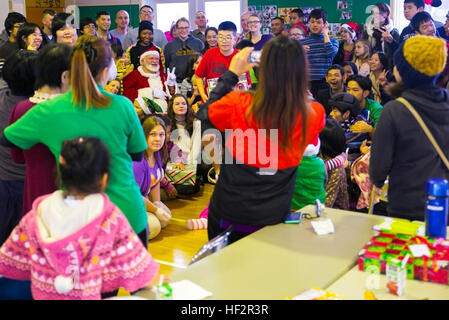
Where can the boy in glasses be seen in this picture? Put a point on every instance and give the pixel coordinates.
(216, 60)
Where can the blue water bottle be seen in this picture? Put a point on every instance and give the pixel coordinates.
(436, 207)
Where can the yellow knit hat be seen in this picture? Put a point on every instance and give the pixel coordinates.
(426, 54)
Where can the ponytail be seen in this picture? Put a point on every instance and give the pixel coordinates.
(89, 58)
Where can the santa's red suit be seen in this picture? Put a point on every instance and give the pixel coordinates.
(141, 84)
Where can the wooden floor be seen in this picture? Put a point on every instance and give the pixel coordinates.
(176, 245)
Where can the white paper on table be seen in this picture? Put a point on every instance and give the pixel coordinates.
(187, 290)
(323, 227)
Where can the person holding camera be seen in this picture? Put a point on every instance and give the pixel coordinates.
(256, 182)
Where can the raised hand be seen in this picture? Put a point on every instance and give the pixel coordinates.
(171, 77)
(383, 78)
(387, 36)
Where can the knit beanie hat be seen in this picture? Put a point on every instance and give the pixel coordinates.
(343, 102)
(145, 25)
(420, 60)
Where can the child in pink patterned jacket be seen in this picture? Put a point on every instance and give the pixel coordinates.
(76, 244)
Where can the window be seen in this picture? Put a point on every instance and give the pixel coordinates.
(399, 21)
(219, 11)
(168, 13)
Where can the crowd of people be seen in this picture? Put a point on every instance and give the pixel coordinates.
(126, 119)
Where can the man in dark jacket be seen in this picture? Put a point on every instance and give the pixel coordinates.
(401, 152)
(12, 24)
(178, 51)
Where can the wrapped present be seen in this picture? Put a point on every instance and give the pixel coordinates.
(431, 265)
(400, 226)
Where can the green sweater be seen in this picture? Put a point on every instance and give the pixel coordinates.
(374, 109)
(53, 121)
(309, 184)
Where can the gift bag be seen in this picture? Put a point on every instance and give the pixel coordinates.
(185, 181)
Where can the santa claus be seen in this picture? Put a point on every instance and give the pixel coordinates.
(149, 82)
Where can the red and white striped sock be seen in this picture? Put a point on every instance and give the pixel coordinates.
(196, 224)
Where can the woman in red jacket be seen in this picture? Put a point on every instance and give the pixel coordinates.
(265, 135)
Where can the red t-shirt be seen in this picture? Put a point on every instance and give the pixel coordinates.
(230, 112)
(213, 65)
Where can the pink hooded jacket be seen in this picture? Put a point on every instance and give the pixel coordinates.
(102, 256)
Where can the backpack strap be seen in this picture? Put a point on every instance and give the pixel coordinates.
(425, 129)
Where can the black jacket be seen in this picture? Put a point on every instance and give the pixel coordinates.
(340, 57)
(402, 151)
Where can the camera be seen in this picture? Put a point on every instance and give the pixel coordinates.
(255, 56)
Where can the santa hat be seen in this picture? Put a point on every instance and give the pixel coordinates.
(350, 29)
(313, 148)
(156, 51)
(149, 53)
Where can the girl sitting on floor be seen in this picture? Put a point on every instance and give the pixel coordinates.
(148, 173)
(186, 138)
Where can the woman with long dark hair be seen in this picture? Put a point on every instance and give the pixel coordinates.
(258, 190)
(380, 76)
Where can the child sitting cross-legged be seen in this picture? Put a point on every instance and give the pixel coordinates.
(149, 172)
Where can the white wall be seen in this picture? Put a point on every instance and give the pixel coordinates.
(4, 9)
(17, 5)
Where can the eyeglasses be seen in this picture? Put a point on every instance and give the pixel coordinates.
(182, 28)
(146, 12)
(253, 22)
(222, 38)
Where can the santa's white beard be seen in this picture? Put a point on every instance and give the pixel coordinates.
(154, 69)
